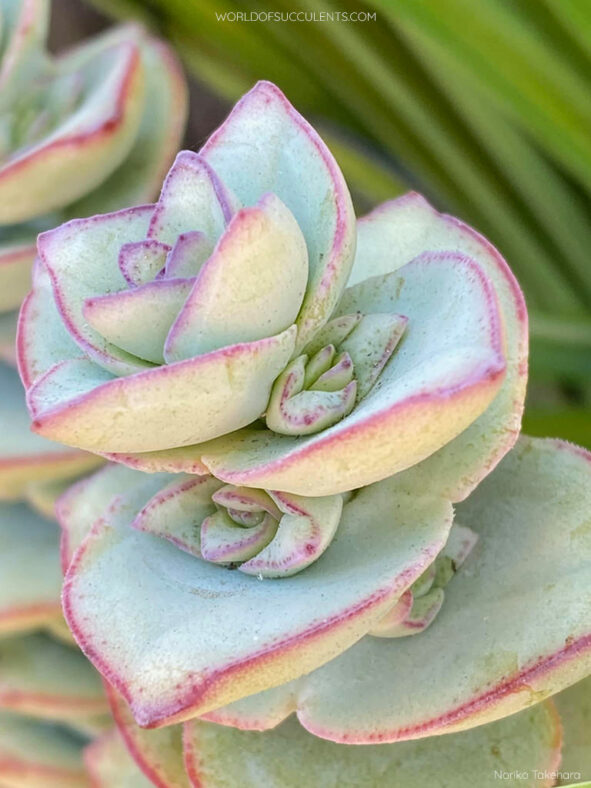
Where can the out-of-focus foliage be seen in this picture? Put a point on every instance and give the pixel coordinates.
(484, 107)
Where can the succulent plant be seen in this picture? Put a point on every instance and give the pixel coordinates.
(318, 502)
(51, 699)
(90, 130)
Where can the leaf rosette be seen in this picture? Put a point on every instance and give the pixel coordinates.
(89, 130)
(214, 332)
(310, 397)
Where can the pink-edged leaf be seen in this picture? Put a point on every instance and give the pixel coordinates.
(224, 542)
(138, 320)
(26, 458)
(265, 145)
(81, 259)
(141, 261)
(192, 198)
(178, 509)
(445, 373)
(82, 405)
(514, 627)
(139, 176)
(159, 753)
(188, 254)
(290, 756)
(42, 339)
(394, 617)
(306, 529)
(84, 502)
(370, 346)
(250, 288)
(210, 635)
(88, 143)
(186, 459)
(388, 238)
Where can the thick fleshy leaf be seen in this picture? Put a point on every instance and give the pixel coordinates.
(42, 338)
(185, 459)
(178, 509)
(266, 146)
(138, 178)
(82, 405)
(81, 259)
(306, 529)
(141, 261)
(16, 262)
(371, 345)
(87, 144)
(421, 615)
(30, 576)
(121, 317)
(250, 288)
(289, 757)
(514, 627)
(192, 198)
(574, 707)
(84, 502)
(395, 616)
(210, 635)
(25, 457)
(445, 373)
(419, 606)
(295, 410)
(44, 678)
(388, 238)
(224, 542)
(35, 754)
(293, 534)
(159, 753)
(188, 254)
(110, 765)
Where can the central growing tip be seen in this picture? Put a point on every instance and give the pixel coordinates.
(268, 534)
(321, 386)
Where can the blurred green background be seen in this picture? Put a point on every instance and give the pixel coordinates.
(482, 105)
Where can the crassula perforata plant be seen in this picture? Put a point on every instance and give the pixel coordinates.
(317, 502)
(90, 130)
(51, 699)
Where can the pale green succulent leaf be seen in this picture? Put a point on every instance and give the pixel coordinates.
(289, 756)
(26, 458)
(158, 753)
(138, 177)
(574, 707)
(514, 627)
(209, 635)
(275, 145)
(392, 235)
